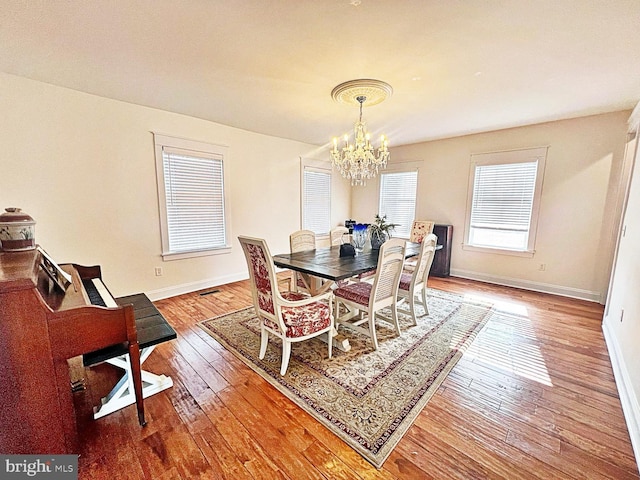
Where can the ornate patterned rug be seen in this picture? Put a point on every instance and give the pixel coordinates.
(368, 398)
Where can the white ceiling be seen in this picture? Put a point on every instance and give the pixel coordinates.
(456, 66)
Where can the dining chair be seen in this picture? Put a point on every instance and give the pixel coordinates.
(368, 298)
(419, 230)
(415, 282)
(301, 241)
(336, 235)
(290, 316)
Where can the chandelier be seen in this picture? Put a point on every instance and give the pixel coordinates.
(359, 160)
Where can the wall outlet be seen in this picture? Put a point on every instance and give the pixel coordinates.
(158, 271)
(542, 267)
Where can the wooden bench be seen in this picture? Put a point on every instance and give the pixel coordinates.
(152, 329)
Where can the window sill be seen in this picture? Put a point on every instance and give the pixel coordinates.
(196, 253)
(499, 251)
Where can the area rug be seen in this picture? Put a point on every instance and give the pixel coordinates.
(368, 398)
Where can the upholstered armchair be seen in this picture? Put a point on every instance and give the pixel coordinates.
(290, 316)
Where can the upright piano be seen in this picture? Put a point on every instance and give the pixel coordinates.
(46, 317)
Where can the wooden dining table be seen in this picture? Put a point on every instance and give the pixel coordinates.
(327, 264)
(324, 267)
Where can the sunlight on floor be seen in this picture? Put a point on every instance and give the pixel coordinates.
(509, 342)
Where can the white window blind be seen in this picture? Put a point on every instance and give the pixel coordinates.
(191, 187)
(398, 200)
(504, 200)
(316, 200)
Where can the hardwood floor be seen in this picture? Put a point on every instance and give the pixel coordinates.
(534, 397)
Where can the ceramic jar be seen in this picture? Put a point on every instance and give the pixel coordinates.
(17, 231)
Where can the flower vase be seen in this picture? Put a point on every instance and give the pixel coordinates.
(377, 240)
(359, 236)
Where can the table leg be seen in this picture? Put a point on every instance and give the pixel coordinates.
(340, 341)
(317, 285)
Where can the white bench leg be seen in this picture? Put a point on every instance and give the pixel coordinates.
(122, 395)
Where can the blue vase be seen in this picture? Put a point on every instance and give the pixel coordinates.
(359, 236)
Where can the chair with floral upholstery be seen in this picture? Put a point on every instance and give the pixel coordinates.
(290, 316)
(420, 229)
(368, 298)
(415, 282)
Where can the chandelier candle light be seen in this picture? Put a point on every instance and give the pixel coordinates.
(359, 161)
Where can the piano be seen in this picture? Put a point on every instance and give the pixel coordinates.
(50, 313)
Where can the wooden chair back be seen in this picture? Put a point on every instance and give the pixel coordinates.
(425, 259)
(387, 278)
(302, 240)
(336, 235)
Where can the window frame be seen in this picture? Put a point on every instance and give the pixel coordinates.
(524, 155)
(206, 150)
(316, 166)
(411, 167)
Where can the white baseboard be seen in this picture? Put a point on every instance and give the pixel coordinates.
(194, 286)
(529, 285)
(628, 399)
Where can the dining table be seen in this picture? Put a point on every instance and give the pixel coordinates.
(328, 265)
(323, 268)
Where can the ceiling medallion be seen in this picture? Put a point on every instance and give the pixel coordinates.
(359, 161)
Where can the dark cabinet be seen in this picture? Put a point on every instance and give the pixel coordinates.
(442, 260)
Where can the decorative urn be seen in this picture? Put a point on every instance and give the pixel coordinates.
(17, 231)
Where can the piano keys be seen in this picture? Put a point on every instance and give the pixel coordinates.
(42, 324)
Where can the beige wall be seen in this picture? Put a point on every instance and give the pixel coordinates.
(83, 167)
(578, 219)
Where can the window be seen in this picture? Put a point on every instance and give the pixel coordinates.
(316, 198)
(504, 197)
(191, 190)
(398, 200)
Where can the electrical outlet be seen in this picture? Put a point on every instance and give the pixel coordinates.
(158, 271)
(542, 267)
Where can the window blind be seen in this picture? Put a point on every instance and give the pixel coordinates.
(194, 191)
(398, 200)
(502, 204)
(316, 207)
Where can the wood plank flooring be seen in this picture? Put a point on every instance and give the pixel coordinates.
(533, 397)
